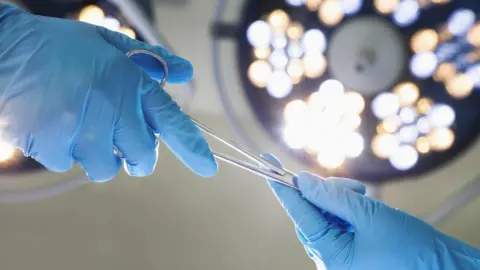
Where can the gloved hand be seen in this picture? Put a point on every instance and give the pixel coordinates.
(69, 93)
(380, 237)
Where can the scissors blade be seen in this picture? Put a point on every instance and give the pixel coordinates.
(271, 175)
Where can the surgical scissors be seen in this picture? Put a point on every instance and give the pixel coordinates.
(262, 167)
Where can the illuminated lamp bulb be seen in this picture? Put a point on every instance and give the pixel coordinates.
(386, 6)
(295, 135)
(424, 64)
(422, 145)
(350, 122)
(259, 73)
(352, 145)
(385, 105)
(127, 31)
(351, 7)
(295, 111)
(330, 12)
(460, 86)
(390, 125)
(279, 41)
(354, 103)
(295, 3)
(441, 139)
(262, 53)
(314, 65)
(295, 70)
(473, 35)
(384, 145)
(331, 90)
(6, 151)
(408, 134)
(440, 2)
(111, 24)
(294, 50)
(331, 158)
(278, 59)
(461, 21)
(445, 72)
(425, 40)
(423, 125)
(279, 84)
(278, 20)
(408, 115)
(259, 34)
(404, 158)
(407, 93)
(424, 105)
(441, 116)
(313, 5)
(92, 14)
(314, 41)
(295, 31)
(406, 12)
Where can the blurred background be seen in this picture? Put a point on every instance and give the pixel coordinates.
(384, 91)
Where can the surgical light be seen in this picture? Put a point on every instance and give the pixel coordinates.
(406, 13)
(314, 64)
(314, 41)
(460, 86)
(259, 34)
(407, 93)
(386, 6)
(424, 64)
(6, 151)
(278, 20)
(279, 84)
(473, 35)
(461, 21)
(351, 7)
(330, 12)
(92, 14)
(441, 139)
(425, 40)
(404, 158)
(259, 73)
(385, 105)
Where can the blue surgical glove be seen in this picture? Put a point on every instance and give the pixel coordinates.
(380, 237)
(68, 93)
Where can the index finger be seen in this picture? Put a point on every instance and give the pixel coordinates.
(176, 129)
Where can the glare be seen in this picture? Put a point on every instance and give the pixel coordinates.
(424, 105)
(473, 73)
(278, 59)
(314, 64)
(445, 71)
(473, 35)
(279, 41)
(350, 122)
(295, 136)
(295, 69)
(331, 90)
(111, 24)
(6, 151)
(404, 158)
(385, 105)
(384, 145)
(295, 3)
(423, 65)
(279, 85)
(294, 50)
(279, 20)
(259, 34)
(461, 21)
(351, 6)
(353, 145)
(261, 53)
(259, 73)
(391, 124)
(441, 139)
(295, 111)
(128, 32)
(423, 125)
(424, 41)
(408, 115)
(386, 6)
(354, 103)
(331, 158)
(441, 2)
(407, 93)
(330, 12)
(441, 115)
(295, 31)
(408, 134)
(92, 14)
(314, 41)
(422, 145)
(406, 12)
(460, 86)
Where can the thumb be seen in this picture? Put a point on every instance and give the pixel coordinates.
(333, 197)
(179, 69)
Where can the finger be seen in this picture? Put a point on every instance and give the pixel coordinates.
(133, 137)
(308, 220)
(336, 199)
(176, 129)
(353, 185)
(179, 69)
(93, 145)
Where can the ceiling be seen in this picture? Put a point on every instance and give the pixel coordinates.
(176, 220)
